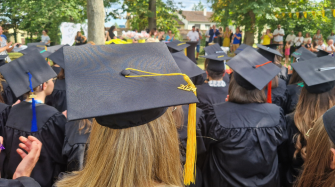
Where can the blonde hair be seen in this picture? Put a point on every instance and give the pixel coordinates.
(317, 171)
(140, 156)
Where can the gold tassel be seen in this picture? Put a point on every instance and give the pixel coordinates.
(185, 51)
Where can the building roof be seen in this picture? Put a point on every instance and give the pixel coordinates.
(197, 16)
(179, 21)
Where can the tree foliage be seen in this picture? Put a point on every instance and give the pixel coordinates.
(198, 7)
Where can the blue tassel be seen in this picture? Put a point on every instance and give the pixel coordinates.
(33, 105)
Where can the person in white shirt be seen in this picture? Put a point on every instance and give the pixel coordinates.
(332, 36)
(321, 45)
(290, 38)
(307, 37)
(298, 41)
(207, 36)
(330, 48)
(193, 35)
(278, 35)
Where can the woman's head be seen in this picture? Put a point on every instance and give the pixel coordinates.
(268, 31)
(43, 90)
(78, 33)
(170, 32)
(295, 78)
(111, 29)
(237, 30)
(299, 34)
(309, 108)
(45, 32)
(227, 29)
(318, 32)
(307, 35)
(319, 164)
(220, 29)
(238, 94)
(152, 32)
(138, 156)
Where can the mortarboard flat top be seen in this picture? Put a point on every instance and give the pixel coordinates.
(269, 51)
(241, 48)
(53, 49)
(213, 49)
(217, 56)
(254, 68)
(37, 44)
(16, 75)
(186, 65)
(98, 73)
(303, 54)
(177, 45)
(318, 73)
(58, 57)
(329, 123)
(31, 49)
(321, 53)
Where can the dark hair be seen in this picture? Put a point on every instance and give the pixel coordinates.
(152, 32)
(147, 30)
(111, 29)
(238, 94)
(215, 75)
(193, 27)
(61, 74)
(295, 78)
(275, 82)
(46, 31)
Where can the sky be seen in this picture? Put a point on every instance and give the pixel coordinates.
(188, 4)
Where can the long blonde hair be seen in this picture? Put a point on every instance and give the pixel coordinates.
(309, 108)
(141, 156)
(317, 171)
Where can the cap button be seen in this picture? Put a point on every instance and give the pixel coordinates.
(125, 72)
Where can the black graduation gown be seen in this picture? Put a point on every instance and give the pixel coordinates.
(199, 79)
(8, 94)
(208, 96)
(75, 146)
(290, 166)
(279, 94)
(293, 93)
(51, 128)
(57, 98)
(183, 141)
(19, 182)
(244, 149)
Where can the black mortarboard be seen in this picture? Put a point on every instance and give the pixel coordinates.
(216, 61)
(303, 54)
(269, 51)
(241, 48)
(318, 74)
(15, 72)
(177, 45)
(2, 57)
(329, 123)
(125, 86)
(37, 44)
(32, 49)
(58, 57)
(186, 65)
(53, 49)
(56, 69)
(213, 49)
(252, 70)
(321, 53)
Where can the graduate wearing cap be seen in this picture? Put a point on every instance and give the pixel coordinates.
(319, 166)
(134, 135)
(216, 89)
(243, 134)
(177, 46)
(30, 75)
(316, 97)
(279, 92)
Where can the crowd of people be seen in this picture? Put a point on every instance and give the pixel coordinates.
(146, 115)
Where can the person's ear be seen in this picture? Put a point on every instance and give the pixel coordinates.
(44, 86)
(332, 162)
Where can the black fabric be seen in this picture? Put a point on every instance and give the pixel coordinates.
(191, 51)
(111, 35)
(218, 56)
(199, 79)
(279, 94)
(242, 145)
(213, 49)
(320, 88)
(58, 57)
(217, 66)
(7, 94)
(130, 119)
(183, 142)
(75, 145)
(57, 98)
(271, 49)
(208, 96)
(290, 166)
(105, 91)
(242, 82)
(2, 62)
(31, 49)
(19, 182)
(241, 48)
(56, 69)
(293, 93)
(16, 75)
(328, 121)
(253, 67)
(321, 53)
(186, 65)
(51, 129)
(303, 54)
(177, 45)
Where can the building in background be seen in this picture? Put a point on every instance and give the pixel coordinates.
(199, 19)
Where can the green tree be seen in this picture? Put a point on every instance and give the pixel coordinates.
(198, 7)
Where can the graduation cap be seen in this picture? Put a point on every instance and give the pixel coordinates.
(186, 65)
(125, 86)
(53, 49)
(56, 69)
(329, 123)
(58, 57)
(318, 74)
(177, 45)
(216, 61)
(241, 48)
(26, 73)
(213, 49)
(269, 51)
(321, 53)
(37, 44)
(252, 70)
(31, 49)
(303, 54)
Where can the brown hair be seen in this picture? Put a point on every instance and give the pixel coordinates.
(206, 64)
(275, 82)
(317, 171)
(140, 156)
(85, 124)
(238, 94)
(2, 79)
(309, 108)
(178, 115)
(61, 74)
(295, 78)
